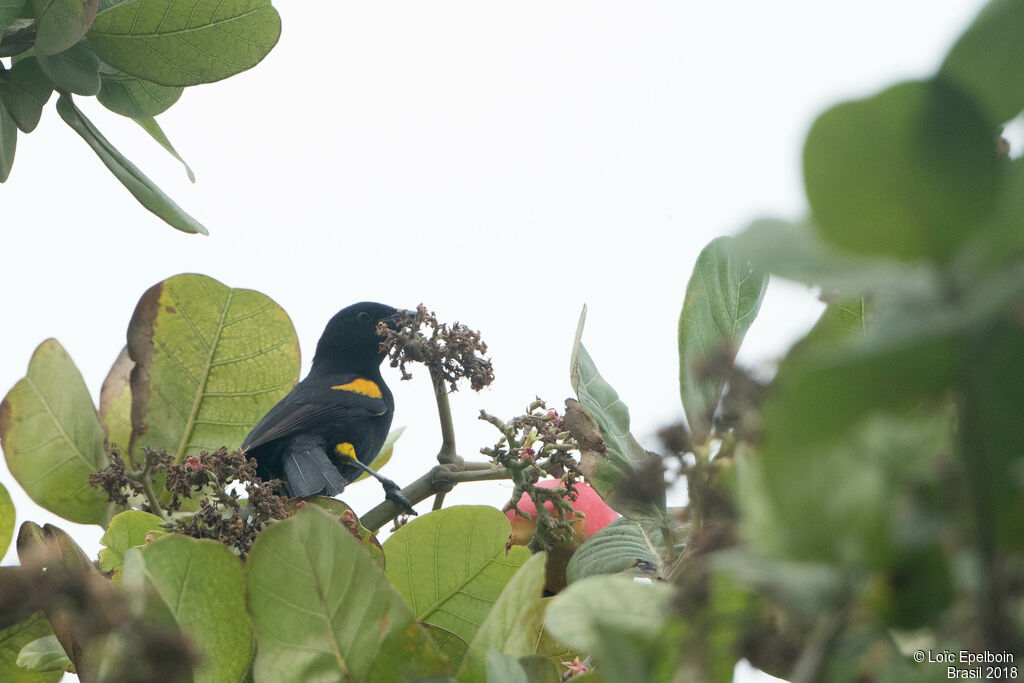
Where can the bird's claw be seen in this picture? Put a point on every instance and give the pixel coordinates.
(394, 494)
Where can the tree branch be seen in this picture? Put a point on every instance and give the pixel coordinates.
(440, 479)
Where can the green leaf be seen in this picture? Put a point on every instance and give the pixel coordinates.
(9, 11)
(512, 623)
(210, 362)
(334, 621)
(13, 639)
(909, 173)
(795, 251)
(625, 475)
(107, 5)
(141, 187)
(7, 518)
(156, 132)
(8, 143)
(181, 43)
(62, 23)
(203, 584)
(622, 546)
(135, 98)
(44, 654)
(820, 395)
(336, 509)
(116, 403)
(127, 530)
(575, 614)
(52, 437)
(451, 565)
(76, 70)
(986, 59)
(448, 644)
(722, 300)
(24, 93)
(386, 451)
(502, 668)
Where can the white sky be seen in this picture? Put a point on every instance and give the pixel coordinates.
(503, 164)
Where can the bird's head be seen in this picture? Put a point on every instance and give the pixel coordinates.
(350, 340)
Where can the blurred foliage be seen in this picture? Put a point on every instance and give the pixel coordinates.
(862, 507)
(135, 56)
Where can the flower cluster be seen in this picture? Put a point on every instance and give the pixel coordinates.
(532, 446)
(451, 351)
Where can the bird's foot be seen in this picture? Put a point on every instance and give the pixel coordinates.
(393, 492)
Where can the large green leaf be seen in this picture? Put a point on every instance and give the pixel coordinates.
(13, 639)
(52, 437)
(203, 584)
(511, 626)
(62, 23)
(136, 98)
(24, 93)
(909, 173)
(625, 475)
(321, 608)
(8, 143)
(116, 402)
(451, 565)
(9, 11)
(186, 42)
(722, 300)
(622, 546)
(127, 530)
(576, 613)
(986, 60)
(7, 518)
(76, 70)
(210, 361)
(141, 187)
(821, 394)
(796, 251)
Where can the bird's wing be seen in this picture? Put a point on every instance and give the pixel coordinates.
(288, 418)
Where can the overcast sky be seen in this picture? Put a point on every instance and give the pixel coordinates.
(504, 165)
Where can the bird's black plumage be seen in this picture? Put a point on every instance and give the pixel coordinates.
(332, 424)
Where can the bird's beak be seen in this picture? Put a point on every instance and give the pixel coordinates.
(393, 318)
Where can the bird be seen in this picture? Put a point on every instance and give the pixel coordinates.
(330, 427)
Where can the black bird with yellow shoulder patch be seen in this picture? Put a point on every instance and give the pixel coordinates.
(323, 434)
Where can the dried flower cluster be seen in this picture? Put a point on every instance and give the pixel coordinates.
(222, 514)
(452, 352)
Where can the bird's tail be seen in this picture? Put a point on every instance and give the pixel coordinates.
(307, 469)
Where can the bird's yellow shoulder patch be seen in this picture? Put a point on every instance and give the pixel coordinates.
(361, 386)
(346, 450)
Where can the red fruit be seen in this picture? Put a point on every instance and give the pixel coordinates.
(598, 515)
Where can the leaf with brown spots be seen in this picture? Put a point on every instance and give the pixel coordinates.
(210, 361)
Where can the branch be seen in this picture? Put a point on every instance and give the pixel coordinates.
(446, 455)
(440, 479)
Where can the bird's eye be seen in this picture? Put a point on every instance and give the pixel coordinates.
(363, 317)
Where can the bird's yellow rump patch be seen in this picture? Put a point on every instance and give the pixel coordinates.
(345, 450)
(361, 386)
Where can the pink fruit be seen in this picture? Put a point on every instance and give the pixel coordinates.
(597, 512)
